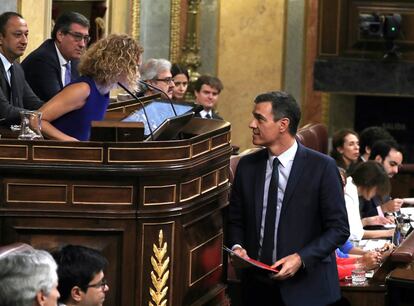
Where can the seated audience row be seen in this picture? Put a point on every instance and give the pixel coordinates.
(74, 275)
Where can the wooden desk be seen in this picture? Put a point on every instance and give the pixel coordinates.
(128, 200)
(396, 272)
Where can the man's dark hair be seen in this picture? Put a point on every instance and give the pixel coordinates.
(4, 18)
(210, 81)
(77, 266)
(65, 20)
(383, 148)
(284, 105)
(370, 135)
(371, 174)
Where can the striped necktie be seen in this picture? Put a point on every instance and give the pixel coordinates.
(67, 73)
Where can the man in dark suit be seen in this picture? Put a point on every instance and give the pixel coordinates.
(207, 90)
(54, 64)
(15, 94)
(287, 210)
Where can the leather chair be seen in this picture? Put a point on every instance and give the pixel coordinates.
(314, 136)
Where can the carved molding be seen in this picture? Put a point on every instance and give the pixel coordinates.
(191, 50)
(135, 19)
(175, 31)
(160, 273)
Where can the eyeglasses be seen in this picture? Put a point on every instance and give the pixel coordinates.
(79, 37)
(165, 80)
(102, 284)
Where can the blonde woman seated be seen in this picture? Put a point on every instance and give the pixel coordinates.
(68, 115)
(367, 180)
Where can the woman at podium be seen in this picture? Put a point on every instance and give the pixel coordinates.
(68, 115)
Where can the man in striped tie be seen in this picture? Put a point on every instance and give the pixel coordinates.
(54, 64)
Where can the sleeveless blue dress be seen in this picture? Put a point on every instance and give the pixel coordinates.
(77, 123)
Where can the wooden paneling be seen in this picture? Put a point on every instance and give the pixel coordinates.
(118, 198)
(94, 194)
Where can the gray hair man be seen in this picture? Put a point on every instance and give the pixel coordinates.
(157, 72)
(28, 278)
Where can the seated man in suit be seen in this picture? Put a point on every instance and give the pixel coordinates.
(81, 276)
(15, 94)
(157, 73)
(207, 90)
(54, 64)
(28, 277)
(368, 137)
(389, 155)
(287, 210)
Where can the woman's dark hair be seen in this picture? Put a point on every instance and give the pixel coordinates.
(179, 69)
(338, 140)
(371, 174)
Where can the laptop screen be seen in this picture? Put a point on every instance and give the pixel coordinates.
(157, 111)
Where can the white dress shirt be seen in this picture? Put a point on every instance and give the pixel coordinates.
(285, 166)
(204, 113)
(62, 63)
(6, 65)
(352, 208)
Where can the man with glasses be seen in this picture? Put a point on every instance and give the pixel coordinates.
(54, 64)
(157, 72)
(81, 276)
(15, 94)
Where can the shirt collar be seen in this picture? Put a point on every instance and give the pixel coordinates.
(62, 60)
(286, 156)
(203, 113)
(6, 62)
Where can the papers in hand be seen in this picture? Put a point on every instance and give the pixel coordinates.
(241, 262)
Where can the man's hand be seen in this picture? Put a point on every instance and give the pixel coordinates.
(370, 260)
(241, 252)
(392, 205)
(289, 266)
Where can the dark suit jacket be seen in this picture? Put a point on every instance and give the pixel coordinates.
(313, 221)
(43, 72)
(25, 99)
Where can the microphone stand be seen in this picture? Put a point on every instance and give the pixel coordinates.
(143, 108)
(161, 91)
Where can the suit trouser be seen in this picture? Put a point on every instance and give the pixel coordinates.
(258, 289)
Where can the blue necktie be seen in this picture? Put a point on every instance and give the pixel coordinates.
(270, 218)
(207, 116)
(67, 73)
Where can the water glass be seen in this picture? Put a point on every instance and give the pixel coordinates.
(358, 277)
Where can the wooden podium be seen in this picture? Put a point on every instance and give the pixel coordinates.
(155, 209)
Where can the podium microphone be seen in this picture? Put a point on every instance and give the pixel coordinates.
(143, 108)
(161, 91)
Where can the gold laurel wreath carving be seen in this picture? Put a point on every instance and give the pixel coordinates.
(160, 272)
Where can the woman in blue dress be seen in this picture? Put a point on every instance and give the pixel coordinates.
(68, 115)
